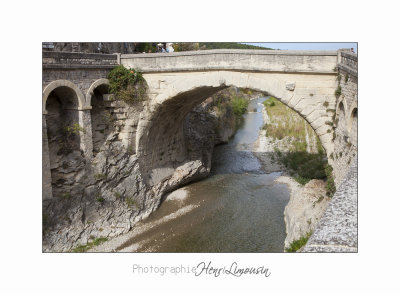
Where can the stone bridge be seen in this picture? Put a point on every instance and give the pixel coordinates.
(303, 80)
(151, 133)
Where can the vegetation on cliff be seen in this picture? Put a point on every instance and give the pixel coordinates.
(298, 244)
(127, 84)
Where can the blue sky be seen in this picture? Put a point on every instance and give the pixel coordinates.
(308, 46)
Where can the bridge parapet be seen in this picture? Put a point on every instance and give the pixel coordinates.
(348, 62)
(73, 60)
(315, 62)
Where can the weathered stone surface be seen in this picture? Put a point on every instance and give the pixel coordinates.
(337, 230)
(290, 86)
(305, 208)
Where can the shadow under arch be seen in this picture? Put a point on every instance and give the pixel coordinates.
(160, 138)
(59, 86)
(62, 102)
(101, 113)
(98, 83)
(352, 124)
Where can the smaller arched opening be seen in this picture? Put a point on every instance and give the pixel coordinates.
(64, 136)
(341, 121)
(102, 114)
(353, 125)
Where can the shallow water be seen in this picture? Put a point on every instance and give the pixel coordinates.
(237, 209)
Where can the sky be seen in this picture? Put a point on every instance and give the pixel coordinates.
(308, 45)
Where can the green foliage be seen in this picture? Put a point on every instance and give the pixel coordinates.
(338, 91)
(326, 104)
(271, 102)
(100, 176)
(301, 180)
(68, 137)
(330, 183)
(145, 47)
(66, 195)
(100, 199)
(339, 78)
(84, 248)
(297, 244)
(186, 46)
(127, 85)
(333, 136)
(318, 201)
(320, 148)
(131, 202)
(239, 106)
(304, 166)
(346, 78)
(117, 195)
(74, 129)
(228, 45)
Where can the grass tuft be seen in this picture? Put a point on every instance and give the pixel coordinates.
(297, 244)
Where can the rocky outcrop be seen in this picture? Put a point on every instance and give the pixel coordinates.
(305, 208)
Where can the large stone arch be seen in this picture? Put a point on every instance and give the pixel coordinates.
(173, 95)
(62, 83)
(90, 92)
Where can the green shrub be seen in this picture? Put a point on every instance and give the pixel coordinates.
(66, 195)
(304, 166)
(100, 176)
(127, 84)
(84, 248)
(74, 129)
(297, 244)
(100, 199)
(131, 202)
(346, 78)
(239, 106)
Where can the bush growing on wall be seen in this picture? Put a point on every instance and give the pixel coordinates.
(127, 84)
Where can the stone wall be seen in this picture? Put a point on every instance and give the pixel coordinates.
(337, 230)
(81, 69)
(91, 47)
(345, 139)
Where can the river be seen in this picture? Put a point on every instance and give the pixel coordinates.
(238, 208)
